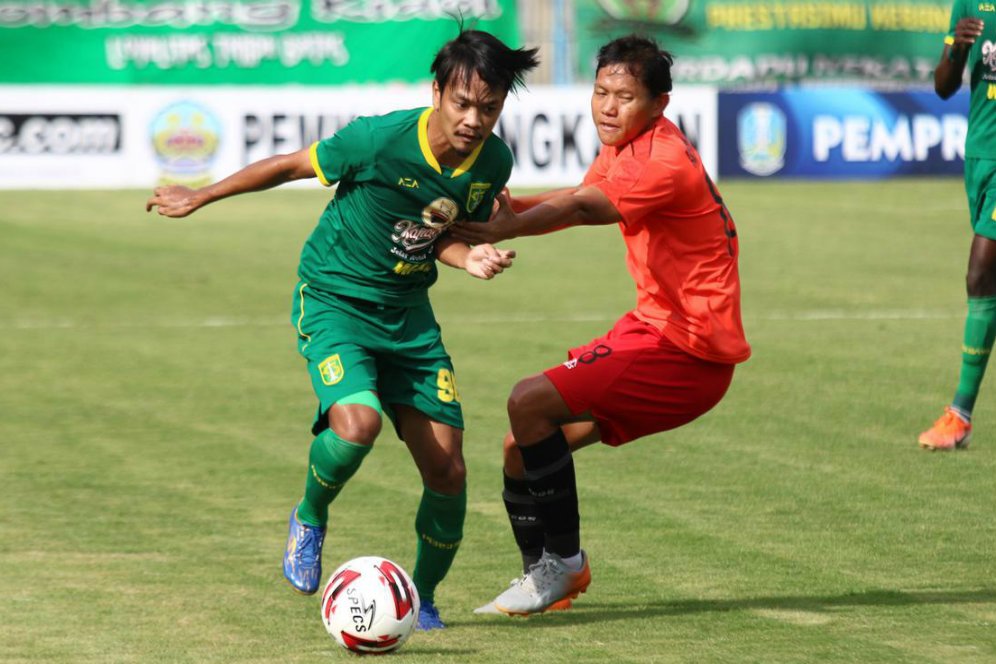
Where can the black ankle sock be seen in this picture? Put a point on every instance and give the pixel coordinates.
(552, 485)
(527, 523)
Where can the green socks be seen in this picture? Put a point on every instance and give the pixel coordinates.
(439, 525)
(980, 330)
(331, 463)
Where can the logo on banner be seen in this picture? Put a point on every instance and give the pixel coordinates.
(668, 12)
(761, 136)
(60, 133)
(185, 137)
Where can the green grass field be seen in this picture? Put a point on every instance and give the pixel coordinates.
(154, 429)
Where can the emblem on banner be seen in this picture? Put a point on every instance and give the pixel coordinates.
(761, 138)
(185, 137)
(668, 12)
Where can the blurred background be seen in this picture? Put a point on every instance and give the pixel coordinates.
(131, 93)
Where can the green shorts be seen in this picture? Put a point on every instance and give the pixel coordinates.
(352, 345)
(980, 185)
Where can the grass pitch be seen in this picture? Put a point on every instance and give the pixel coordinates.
(154, 429)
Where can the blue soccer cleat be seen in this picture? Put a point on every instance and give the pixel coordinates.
(303, 557)
(428, 618)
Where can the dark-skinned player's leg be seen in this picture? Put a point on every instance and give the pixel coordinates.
(523, 514)
(953, 429)
(542, 458)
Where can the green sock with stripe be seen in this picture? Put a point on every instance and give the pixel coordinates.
(980, 331)
(331, 463)
(439, 525)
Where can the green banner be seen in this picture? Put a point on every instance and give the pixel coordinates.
(210, 42)
(735, 42)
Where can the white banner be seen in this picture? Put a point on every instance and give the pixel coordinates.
(84, 137)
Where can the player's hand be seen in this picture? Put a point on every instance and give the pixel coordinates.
(967, 30)
(485, 260)
(173, 201)
(501, 225)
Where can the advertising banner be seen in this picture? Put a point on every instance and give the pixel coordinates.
(841, 133)
(252, 42)
(68, 137)
(737, 42)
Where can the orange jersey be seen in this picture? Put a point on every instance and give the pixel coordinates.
(680, 239)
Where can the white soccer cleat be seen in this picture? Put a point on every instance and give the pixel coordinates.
(549, 582)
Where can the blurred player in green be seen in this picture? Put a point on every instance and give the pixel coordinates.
(361, 307)
(969, 42)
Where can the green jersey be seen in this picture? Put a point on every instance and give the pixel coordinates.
(981, 139)
(376, 239)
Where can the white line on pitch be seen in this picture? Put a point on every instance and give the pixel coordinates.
(512, 318)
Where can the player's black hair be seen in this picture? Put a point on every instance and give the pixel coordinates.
(476, 52)
(643, 58)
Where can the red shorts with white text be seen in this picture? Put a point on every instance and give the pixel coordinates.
(634, 382)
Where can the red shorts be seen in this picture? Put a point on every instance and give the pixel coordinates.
(634, 381)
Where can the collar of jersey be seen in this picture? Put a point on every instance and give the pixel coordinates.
(423, 142)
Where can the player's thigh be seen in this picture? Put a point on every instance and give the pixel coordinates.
(417, 372)
(337, 371)
(336, 343)
(636, 390)
(436, 448)
(980, 186)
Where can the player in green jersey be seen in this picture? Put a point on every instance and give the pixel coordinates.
(361, 307)
(970, 41)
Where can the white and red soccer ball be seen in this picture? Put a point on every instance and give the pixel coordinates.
(370, 605)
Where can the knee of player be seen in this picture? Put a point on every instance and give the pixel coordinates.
(448, 478)
(355, 423)
(980, 282)
(524, 399)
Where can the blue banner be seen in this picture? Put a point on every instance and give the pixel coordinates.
(841, 133)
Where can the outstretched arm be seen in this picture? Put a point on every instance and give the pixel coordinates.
(586, 206)
(951, 68)
(179, 201)
(523, 203)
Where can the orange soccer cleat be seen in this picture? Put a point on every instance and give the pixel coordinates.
(949, 432)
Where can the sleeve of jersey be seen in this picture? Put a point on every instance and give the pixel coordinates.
(635, 189)
(343, 154)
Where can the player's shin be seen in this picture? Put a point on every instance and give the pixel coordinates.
(980, 331)
(439, 526)
(550, 477)
(331, 462)
(525, 519)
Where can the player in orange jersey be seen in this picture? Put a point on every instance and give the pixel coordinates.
(663, 364)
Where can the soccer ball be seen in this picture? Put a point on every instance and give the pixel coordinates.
(370, 605)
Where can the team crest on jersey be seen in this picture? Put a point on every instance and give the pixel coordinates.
(440, 213)
(476, 194)
(331, 369)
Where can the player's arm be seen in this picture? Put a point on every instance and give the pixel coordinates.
(483, 261)
(179, 201)
(586, 206)
(951, 69)
(523, 203)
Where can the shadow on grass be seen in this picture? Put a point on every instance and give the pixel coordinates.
(592, 612)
